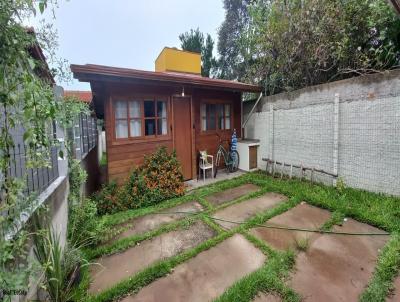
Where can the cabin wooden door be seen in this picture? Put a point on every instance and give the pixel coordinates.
(182, 133)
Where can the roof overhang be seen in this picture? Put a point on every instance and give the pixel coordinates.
(99, 73)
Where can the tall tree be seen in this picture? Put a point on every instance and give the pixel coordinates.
(298, 43)
(194, 41)
(232, 60)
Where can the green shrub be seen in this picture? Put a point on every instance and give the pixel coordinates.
(84, 227)
(77, 177)
(157, 179)
(107, 199)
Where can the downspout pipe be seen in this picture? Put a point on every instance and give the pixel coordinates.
(251, 112)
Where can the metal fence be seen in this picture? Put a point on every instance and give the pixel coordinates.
(84, 137)
(37, 179)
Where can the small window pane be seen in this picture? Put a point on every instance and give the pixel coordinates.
(121, 128)
(121, 110)
(203, 117)
(211, 118)
(149, 109)
(134, 109)
(221, 118)
(161, 109)
(227, 117)
(136, 128)
(227, 110)
(150, 127)
(227, 123)
(162, 126)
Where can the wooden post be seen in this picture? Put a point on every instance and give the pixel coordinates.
(271, 132)
(282, 167)
(335, 136)
(301, 172)
(291, 171)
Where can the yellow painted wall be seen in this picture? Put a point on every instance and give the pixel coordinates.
(171, 59)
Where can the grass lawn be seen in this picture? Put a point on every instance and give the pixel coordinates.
(375, 209)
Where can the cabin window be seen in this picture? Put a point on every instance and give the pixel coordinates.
(135, 118)
(215, 117)
(121, 121)
(140, 118)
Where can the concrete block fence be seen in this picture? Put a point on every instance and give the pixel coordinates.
(350, 128)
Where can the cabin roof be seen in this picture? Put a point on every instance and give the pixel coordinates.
(91, 72)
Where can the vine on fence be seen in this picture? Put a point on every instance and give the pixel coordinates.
(27, 102)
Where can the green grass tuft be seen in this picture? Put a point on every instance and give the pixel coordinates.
(385, 272)
(376, 209)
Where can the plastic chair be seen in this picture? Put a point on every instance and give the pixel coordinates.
(205, 165)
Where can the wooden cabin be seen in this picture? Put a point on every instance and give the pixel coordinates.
(173, 106)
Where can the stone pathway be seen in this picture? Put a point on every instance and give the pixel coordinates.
(248, 208)
(338, 267)
(395, 297)
(151, 222)
(206, 276)
(114, 268)
(301, 216)
(328, 267)
(219, 198)
(267, 298)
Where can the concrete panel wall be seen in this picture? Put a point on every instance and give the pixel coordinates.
(358, 137)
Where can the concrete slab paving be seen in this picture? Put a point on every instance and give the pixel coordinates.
(206, 276)
(151, 222)
(337, 267)
(395, 296)
(301, 216)
(248, 208)
(262, 297)
(114, 268)
(219, 198)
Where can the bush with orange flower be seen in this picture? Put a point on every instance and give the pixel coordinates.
(157, 179)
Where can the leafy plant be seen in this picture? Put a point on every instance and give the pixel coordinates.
(157, 179)
(27, 104)
(77, 177)
(108, 199)
(60, 265)
(83, 225)
(287, 45)
(14, 270)
(302, 244)
(340, 185)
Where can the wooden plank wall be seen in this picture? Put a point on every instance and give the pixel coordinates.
(123, 157)
(209, 141)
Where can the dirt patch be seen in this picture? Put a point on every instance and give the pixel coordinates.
(219, 198)
(338, 267)
(206, 276)
(115, 268)
(267, 298)
(248, 208)
(301, 216)
(395, 296)
(151, 222)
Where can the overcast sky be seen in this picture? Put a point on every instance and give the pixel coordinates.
(128, 33)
